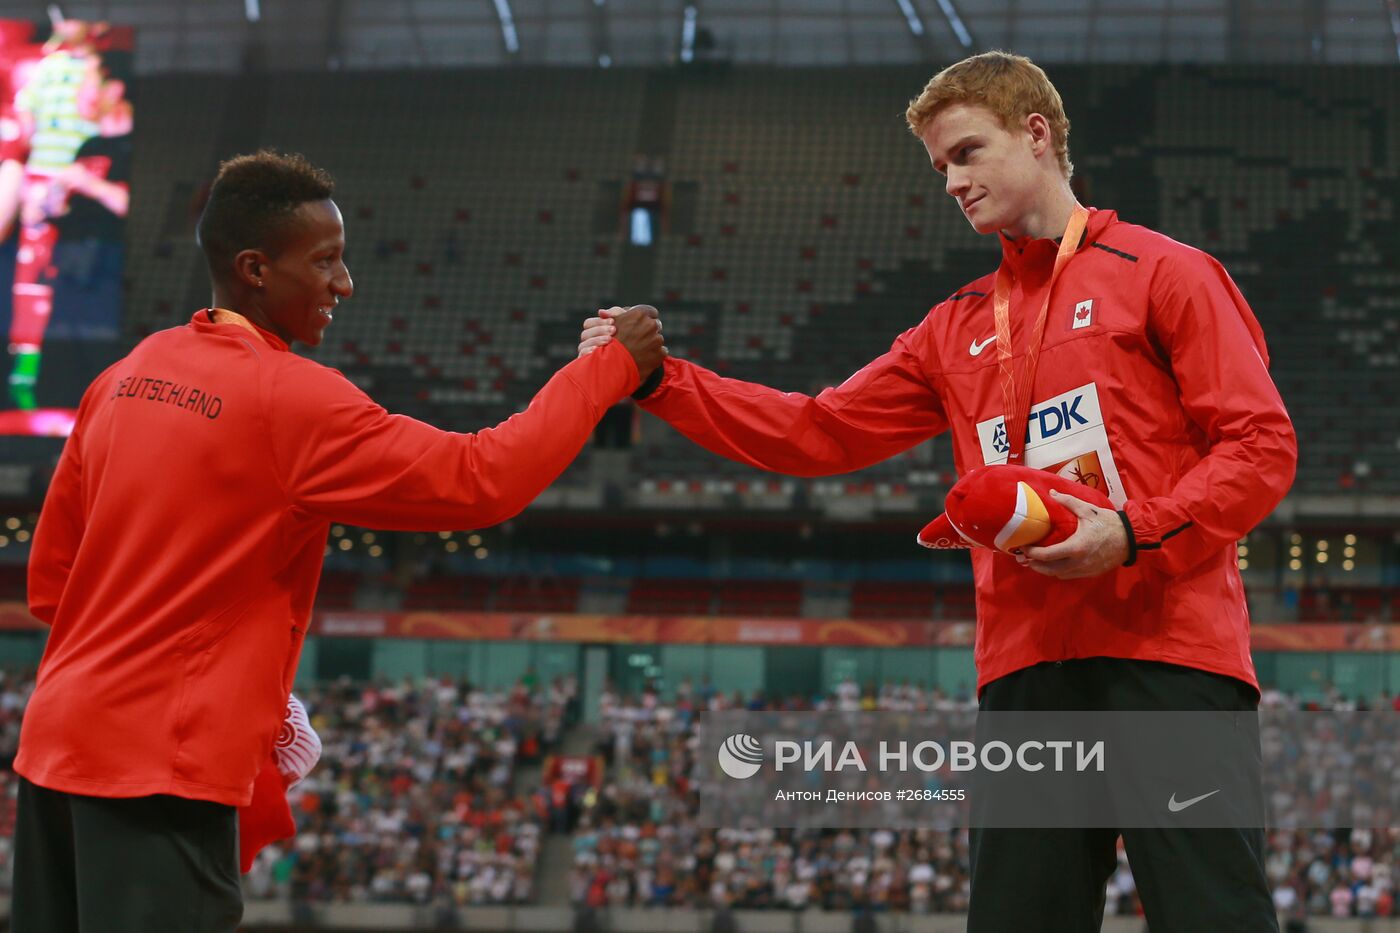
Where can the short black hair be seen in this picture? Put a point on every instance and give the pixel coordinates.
(250, 202)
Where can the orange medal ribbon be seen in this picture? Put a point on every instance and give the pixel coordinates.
(1016, 393)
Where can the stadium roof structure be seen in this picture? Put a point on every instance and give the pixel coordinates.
(232, 35)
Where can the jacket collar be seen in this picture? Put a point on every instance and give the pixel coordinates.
(204, 320)
(1029, 255)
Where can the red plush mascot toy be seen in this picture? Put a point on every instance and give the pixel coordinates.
(1007, 508)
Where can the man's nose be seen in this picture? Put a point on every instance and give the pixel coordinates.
(957, 182)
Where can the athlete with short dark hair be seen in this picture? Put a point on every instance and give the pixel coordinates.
(180, 545)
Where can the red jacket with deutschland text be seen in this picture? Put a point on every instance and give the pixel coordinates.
(181, 542)
(1153, 385)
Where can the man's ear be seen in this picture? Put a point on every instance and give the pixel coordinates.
(249, 267)
(1039, 129)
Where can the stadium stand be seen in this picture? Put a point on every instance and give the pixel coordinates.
(177, 146)
(806, 228)
(472, 245)
(418, 800)
(652, 596)
(878, 599)
(12, 582)
(670, 597)
(1351, 604)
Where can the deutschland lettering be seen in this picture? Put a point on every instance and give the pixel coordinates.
(165, 392)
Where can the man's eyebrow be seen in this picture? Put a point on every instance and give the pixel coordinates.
(954, 148)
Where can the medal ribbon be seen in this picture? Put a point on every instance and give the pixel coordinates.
(1016, 393)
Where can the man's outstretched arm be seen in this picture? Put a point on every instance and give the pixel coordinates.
(343, 457)
(885, 408)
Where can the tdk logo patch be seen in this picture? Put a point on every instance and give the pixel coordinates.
(1056, 418)
(1051, 420)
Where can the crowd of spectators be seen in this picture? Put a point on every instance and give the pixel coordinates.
(15, 688)
(416, 800)
(637, 843)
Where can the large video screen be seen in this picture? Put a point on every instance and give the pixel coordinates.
(65, 162)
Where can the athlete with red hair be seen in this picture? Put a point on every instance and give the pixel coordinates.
(1107, 353)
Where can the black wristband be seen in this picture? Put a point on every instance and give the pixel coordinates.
(651, 383)
(1132, 539)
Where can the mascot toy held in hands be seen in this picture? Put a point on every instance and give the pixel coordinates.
(1007, 508)
(268, 817)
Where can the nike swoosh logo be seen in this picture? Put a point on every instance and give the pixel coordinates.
(1175, 807)
(977, 348)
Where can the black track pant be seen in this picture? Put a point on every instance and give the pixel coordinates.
(1053, 880)
(124, 865)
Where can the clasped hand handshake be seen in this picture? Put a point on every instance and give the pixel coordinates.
(1099, 543)
(637, 328)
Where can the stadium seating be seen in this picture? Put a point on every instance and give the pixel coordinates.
(874, 599)
(806, 227)
(178, 129)
(805, 230)
(957, 602)
(536, 594)
(1346, 604)
(860, 599)
(670, 597)
(13, 582)
(651, 596)
(337, 590)
(760, 598)
(469, 245)
(470, 594)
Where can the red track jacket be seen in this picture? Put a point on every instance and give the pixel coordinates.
(181, 543)
(1153, 385)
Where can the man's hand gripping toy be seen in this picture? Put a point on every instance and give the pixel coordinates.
(1007, 508)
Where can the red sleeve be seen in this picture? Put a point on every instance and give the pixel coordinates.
(887, 407)
(62, 520)
(342, 456)
(58, 534)
(1220, 363)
